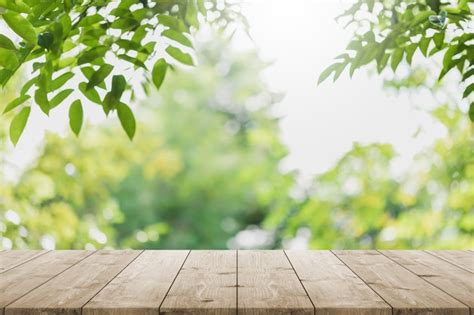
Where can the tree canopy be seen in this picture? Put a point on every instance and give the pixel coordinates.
(76, 45)
(388, 33)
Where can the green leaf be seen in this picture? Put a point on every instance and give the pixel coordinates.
(129, 45)
(92, 95)
(5, 75)
(339, 70)
(8, 58)
(397, 57)
(41, 99)
(448, 57)
(410, 51)
(327, 72)
(61, 80)
(6, 43)
(133, 60)
(438, 39)
(421, 17)
(468, 90)
(26, 87)
(172, 22)
(127, 119)
(17, 6)
(16, 102)
(18, 124)
(118, 86)
(89, 72)
(382, 62)
(90, 20)
(178, 37)
(21, 26)
(180, 56)
(124, 24)
(468, 74)
(66, 24)
(61, 96)
(424, 44)
(109, 103)
(92, 54)
(159, 72)
(99, 76)
(370, 5)
(76, 116)
(191, 13)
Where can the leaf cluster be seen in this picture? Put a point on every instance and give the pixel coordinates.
(76, 45)
(390, 32)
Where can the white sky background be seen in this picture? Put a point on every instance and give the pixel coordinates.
(319, 123)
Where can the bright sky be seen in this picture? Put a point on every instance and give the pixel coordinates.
(319, 124)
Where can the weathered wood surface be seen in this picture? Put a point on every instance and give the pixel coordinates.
(206, 284)
(10, 259)
(461, 258)
(333, 287)
(268, 285)
(443, 275)
(237, 282)
(406, 292)
(17, 282)
(151, 274)
(68, 292)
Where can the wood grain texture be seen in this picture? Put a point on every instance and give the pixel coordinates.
(460, 258)
(69, 291)
(231, 282)
(141, 287)
(455, 281)
(11, 258)
(206, 284)
(333, 288)
(403, 290)
(269, 285)
(19, 281)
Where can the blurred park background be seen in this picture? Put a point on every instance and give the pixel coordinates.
(246, 151)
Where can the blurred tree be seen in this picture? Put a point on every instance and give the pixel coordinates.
(360, 203)
(204, 166)
(388, 32)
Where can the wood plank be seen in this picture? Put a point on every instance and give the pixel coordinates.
(141, 287)
(207, 284)
(69, 291)
(19, 281)
(403, 290)
(460, 258)
(332, 287)
(11, 258)
(455, 281)
(268, 285)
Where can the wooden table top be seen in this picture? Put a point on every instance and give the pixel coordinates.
(231, 282)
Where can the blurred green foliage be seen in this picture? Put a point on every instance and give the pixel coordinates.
(359, 203)
(205, 165)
